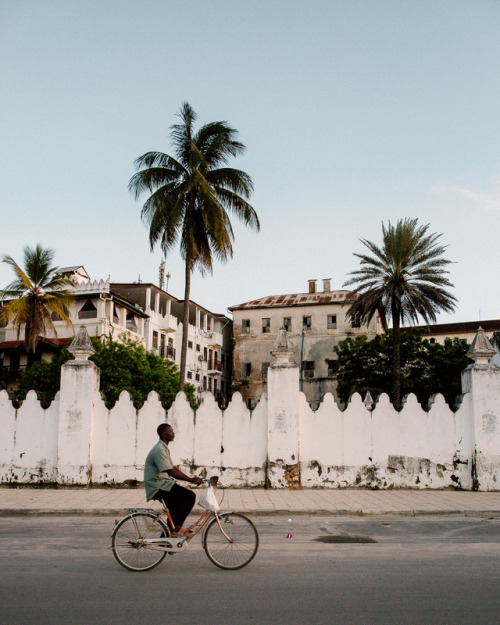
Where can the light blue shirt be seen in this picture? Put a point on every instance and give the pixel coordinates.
(156, 466)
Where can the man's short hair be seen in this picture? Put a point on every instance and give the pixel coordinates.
(162, 427)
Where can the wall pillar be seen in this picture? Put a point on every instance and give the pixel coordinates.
(283, 417)
(481, 382)
(78, 395)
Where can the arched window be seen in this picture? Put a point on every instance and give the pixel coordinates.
(88, 310)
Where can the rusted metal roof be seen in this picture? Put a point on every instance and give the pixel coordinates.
(295, 299)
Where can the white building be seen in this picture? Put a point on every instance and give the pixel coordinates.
(439, 332)
(315, 322)
(143, 313)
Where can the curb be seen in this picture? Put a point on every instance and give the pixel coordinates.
(107, 512)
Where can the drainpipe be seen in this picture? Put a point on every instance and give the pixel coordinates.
(301, 358)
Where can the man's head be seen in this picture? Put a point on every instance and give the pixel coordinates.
(166, 432)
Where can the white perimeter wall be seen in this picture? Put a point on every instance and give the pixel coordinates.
(282, 443)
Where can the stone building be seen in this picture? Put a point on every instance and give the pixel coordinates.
(143, 313)
(315, 322)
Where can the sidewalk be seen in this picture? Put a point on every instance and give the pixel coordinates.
(256, 501)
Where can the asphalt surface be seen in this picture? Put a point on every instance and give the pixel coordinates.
(355, 570)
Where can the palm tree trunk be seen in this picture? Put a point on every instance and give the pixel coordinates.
(185, 322)
(31, 330)
(396, 357)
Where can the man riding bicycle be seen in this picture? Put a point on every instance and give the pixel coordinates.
(159, 481)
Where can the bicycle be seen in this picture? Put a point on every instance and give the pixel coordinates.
(142, 538)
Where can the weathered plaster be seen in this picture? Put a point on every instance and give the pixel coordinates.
(282, 443)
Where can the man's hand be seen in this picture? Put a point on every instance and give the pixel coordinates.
(197, 480)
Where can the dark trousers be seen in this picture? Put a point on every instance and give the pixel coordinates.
(179, 501)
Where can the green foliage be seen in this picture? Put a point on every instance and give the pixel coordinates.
(123, 367)
(426, 368)
(44, 377)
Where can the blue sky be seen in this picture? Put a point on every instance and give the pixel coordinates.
(353, 113)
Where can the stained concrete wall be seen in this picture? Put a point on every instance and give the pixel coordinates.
(282, 443)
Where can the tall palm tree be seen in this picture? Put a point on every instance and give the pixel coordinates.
(37, 292)
(403, 279)
(191, 198)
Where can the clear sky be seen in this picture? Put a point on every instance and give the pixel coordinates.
(353, 112)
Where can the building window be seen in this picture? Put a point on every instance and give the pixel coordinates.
(190, 344)
(131, 322)
(266, 325)
(306, 323)
(265, 367)
(88, 310)
(198, 347)
(330, 364)
(197, 377)
(287, 323)
(155, 339)
(331, 322)
(246, 370)
(308, 369)
(205, 354)
(204, 382)
(251, 403)
(245, 326)
(355, 322)
(432, 340)
(55, 317)
(189, 375)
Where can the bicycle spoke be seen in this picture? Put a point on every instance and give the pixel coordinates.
(241, 547)
(127, 546)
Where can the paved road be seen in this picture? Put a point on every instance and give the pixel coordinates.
(420, 571)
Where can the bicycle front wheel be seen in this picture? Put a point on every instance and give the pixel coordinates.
(127, 545)
(237, 547)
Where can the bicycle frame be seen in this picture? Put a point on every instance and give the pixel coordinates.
(177, 544)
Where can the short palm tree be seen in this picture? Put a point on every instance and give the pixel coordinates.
(37, 293)
(403, 279)
(191, 197)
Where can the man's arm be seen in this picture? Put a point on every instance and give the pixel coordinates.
(177, 474)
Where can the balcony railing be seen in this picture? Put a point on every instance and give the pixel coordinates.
(12, 372)
(87, 314)
(214, 367)
(167, 352)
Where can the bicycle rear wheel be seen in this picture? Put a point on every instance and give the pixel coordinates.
(126, 541)
(241, 547)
